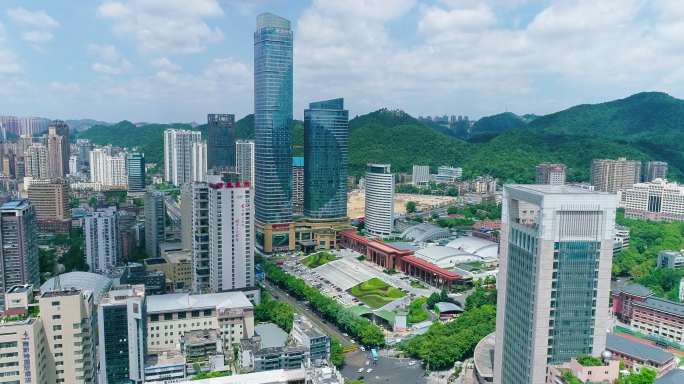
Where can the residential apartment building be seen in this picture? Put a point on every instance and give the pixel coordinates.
(547, 173)
(244, 160)
(107, 169)
(36, 161)
(58, 149)
(51, 201)
(610, 175)
(170, 316)
(231, 233)
(554, 278)
(655, 200)
(199, 161)
(155, 221)
(121, 329)
(298, 185)
(220, 140)
(178, 144)
(379, 205)
(19, 251)
(655, 170)
(420, 175)
(195, 232)
(101, 231)
(70, 325)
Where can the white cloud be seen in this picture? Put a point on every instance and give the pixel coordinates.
(62, 87)
(36, 25)
(165, 64)
(168, 26)
(108, 59)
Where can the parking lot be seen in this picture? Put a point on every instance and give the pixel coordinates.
(386, 370)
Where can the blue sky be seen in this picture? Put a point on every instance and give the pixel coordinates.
(177, 60)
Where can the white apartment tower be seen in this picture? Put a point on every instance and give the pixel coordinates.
(36, 161)
(421, 174)
(107, 169)
(610, 175)
(244, 160)
(178, 145)
(195, 232)
(231, 233)
(554, 278)
(547, 173)
(379, 209)
(101, 240)
(199, 161)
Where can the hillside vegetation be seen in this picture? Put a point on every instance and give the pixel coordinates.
(643, 126)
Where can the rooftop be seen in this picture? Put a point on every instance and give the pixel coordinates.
(93, 282)
(637, 350)
(675, 376)
(264, 377)
(636, 290)
(200, 336)
(547, 189)
(662, 305)
(271, 335)
(444, 306)
(164, 359)
(15, 204)
(175, 302)
(306, 327)
(484, 356)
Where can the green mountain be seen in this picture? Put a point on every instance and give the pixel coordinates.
(643, 126)
(496, 124)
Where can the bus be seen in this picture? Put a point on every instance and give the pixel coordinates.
(374, 354)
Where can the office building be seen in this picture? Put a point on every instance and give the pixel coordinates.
(655, 200)
(220, 140)
(121, 328)
(51, 201)
(198, 171)
(19, 251)
(107, 169)
(547, 173)
(326, 143)
(25, 352)
(155, 221)
(273, 130)
(244, 160)
(101, 232)
(195, 232)
(610, 175)
(420, 175)
(655, 170)
(446, 174)
(554, 278)
(670, 259)
(231, 233)
(379, 206)
(70, 327)
(178, 155)
(176, 265)
(298, 185)
(36, 161)
(58, 149)
(135, 170)
(170, 316)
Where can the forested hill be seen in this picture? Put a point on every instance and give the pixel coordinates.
(643, 126)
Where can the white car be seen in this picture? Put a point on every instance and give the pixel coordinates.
(359, 370)
(369, 370)
(363, 348)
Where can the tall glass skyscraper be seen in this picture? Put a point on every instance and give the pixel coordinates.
(326, 139)
(135, 166)
(220, 140)
(273, 119)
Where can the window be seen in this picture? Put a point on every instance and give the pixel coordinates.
(56, 327)
(182, 315)
(55, 303)
(154, 318)
(168, 316)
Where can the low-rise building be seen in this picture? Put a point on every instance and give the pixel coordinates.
(637, 355)
(316, 342)
(269, 350)
(606, 373)
(621, 239)
(170, 316)
(670, 259)
(166, 367)
(655, 200)
(200, 345)
(280, 376)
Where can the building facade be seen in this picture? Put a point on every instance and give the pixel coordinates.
(135, 170)
(655, 170)
(244, 159)
(610, 175)
(446, 174)
(24, 347)
(231, 234)
(655, 200)
(326, 146)
(379, 206)
(36, 161)
(155, 222)
(298, 186)
(547, 173)
(178, 155)
(19, 251)
(51, 201)
(273, 119)
(554, 278)
(199, 168)
(220, 140)
(121, 327)
(670, 259)
(58, 149)
(195, 232)
(101, 233)
(420, 175)
(107, 169)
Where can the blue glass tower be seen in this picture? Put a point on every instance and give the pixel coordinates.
(326, 140)
(135, 165)
(273, 119)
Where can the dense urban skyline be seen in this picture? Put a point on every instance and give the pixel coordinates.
(115, 60)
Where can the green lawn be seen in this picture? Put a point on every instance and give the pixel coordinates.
(416, 311)
(318, 259)
(376, 293)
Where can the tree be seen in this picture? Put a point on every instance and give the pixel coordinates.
(481, 296)
(645, 376)
(336, 353)
(410, 206)
(433, 299)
